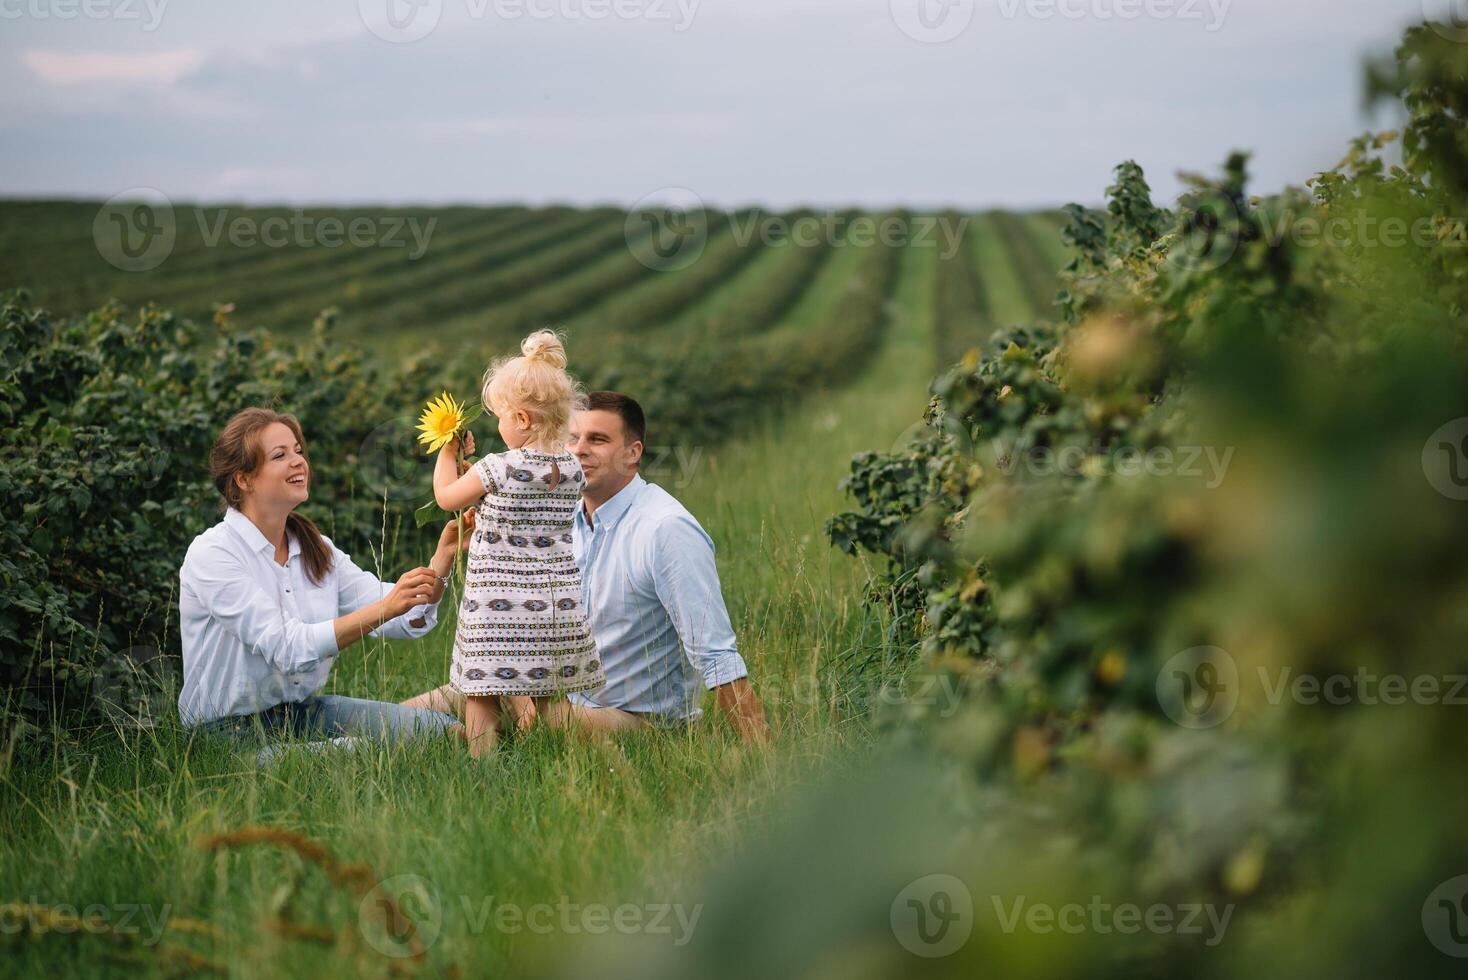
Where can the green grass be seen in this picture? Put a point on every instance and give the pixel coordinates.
(1004, 289)
(1045, 229)
(961, 302)
(111, 820)
(1035, 268)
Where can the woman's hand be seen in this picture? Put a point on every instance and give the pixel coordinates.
(415, 588)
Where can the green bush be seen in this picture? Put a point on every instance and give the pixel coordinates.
(108, 421)
(1078, 604)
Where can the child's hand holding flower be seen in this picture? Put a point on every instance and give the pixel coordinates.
(442, 420)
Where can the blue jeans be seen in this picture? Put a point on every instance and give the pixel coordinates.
(331, 716)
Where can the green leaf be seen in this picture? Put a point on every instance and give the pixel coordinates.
(430, 513)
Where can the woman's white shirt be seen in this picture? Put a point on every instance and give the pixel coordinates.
(256, 633)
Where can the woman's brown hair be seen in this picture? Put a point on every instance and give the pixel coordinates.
(238, 451)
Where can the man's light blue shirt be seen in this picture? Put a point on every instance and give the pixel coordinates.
(652, 594)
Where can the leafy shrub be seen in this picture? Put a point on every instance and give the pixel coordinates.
(108, 421)
(1063, 596)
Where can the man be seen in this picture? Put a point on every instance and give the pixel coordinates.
(651, 591)
(650, 586)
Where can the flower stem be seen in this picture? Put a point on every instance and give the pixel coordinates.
(459, 515)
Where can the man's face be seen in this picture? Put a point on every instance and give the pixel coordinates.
(599, 442)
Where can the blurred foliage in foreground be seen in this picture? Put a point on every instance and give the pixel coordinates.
(1196, 557)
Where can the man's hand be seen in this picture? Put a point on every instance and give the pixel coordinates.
(738, 703)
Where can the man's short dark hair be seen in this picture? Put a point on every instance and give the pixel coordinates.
(625, 406)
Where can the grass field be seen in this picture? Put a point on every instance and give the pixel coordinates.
(113, 819)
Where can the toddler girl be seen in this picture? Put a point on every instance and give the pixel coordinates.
(522, 627)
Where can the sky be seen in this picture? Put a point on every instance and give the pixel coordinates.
(783, 103)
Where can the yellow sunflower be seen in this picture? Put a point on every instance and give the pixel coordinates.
(441, 420)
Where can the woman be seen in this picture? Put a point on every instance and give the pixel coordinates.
(267, 603)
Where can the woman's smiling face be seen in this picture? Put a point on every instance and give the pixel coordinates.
(283, 477)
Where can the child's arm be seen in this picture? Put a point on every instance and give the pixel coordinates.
(451, 489)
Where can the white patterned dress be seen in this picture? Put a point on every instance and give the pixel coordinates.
(522, 622)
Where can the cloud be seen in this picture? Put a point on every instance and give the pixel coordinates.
(70, 68)
(257, 182)
(574, 127)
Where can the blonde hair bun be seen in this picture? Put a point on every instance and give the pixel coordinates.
(546, 347)
(537, 383)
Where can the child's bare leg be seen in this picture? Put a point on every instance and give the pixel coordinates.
(522, 710)
(552, 710)
(599, 722)
(444, 699)
(481, 719)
